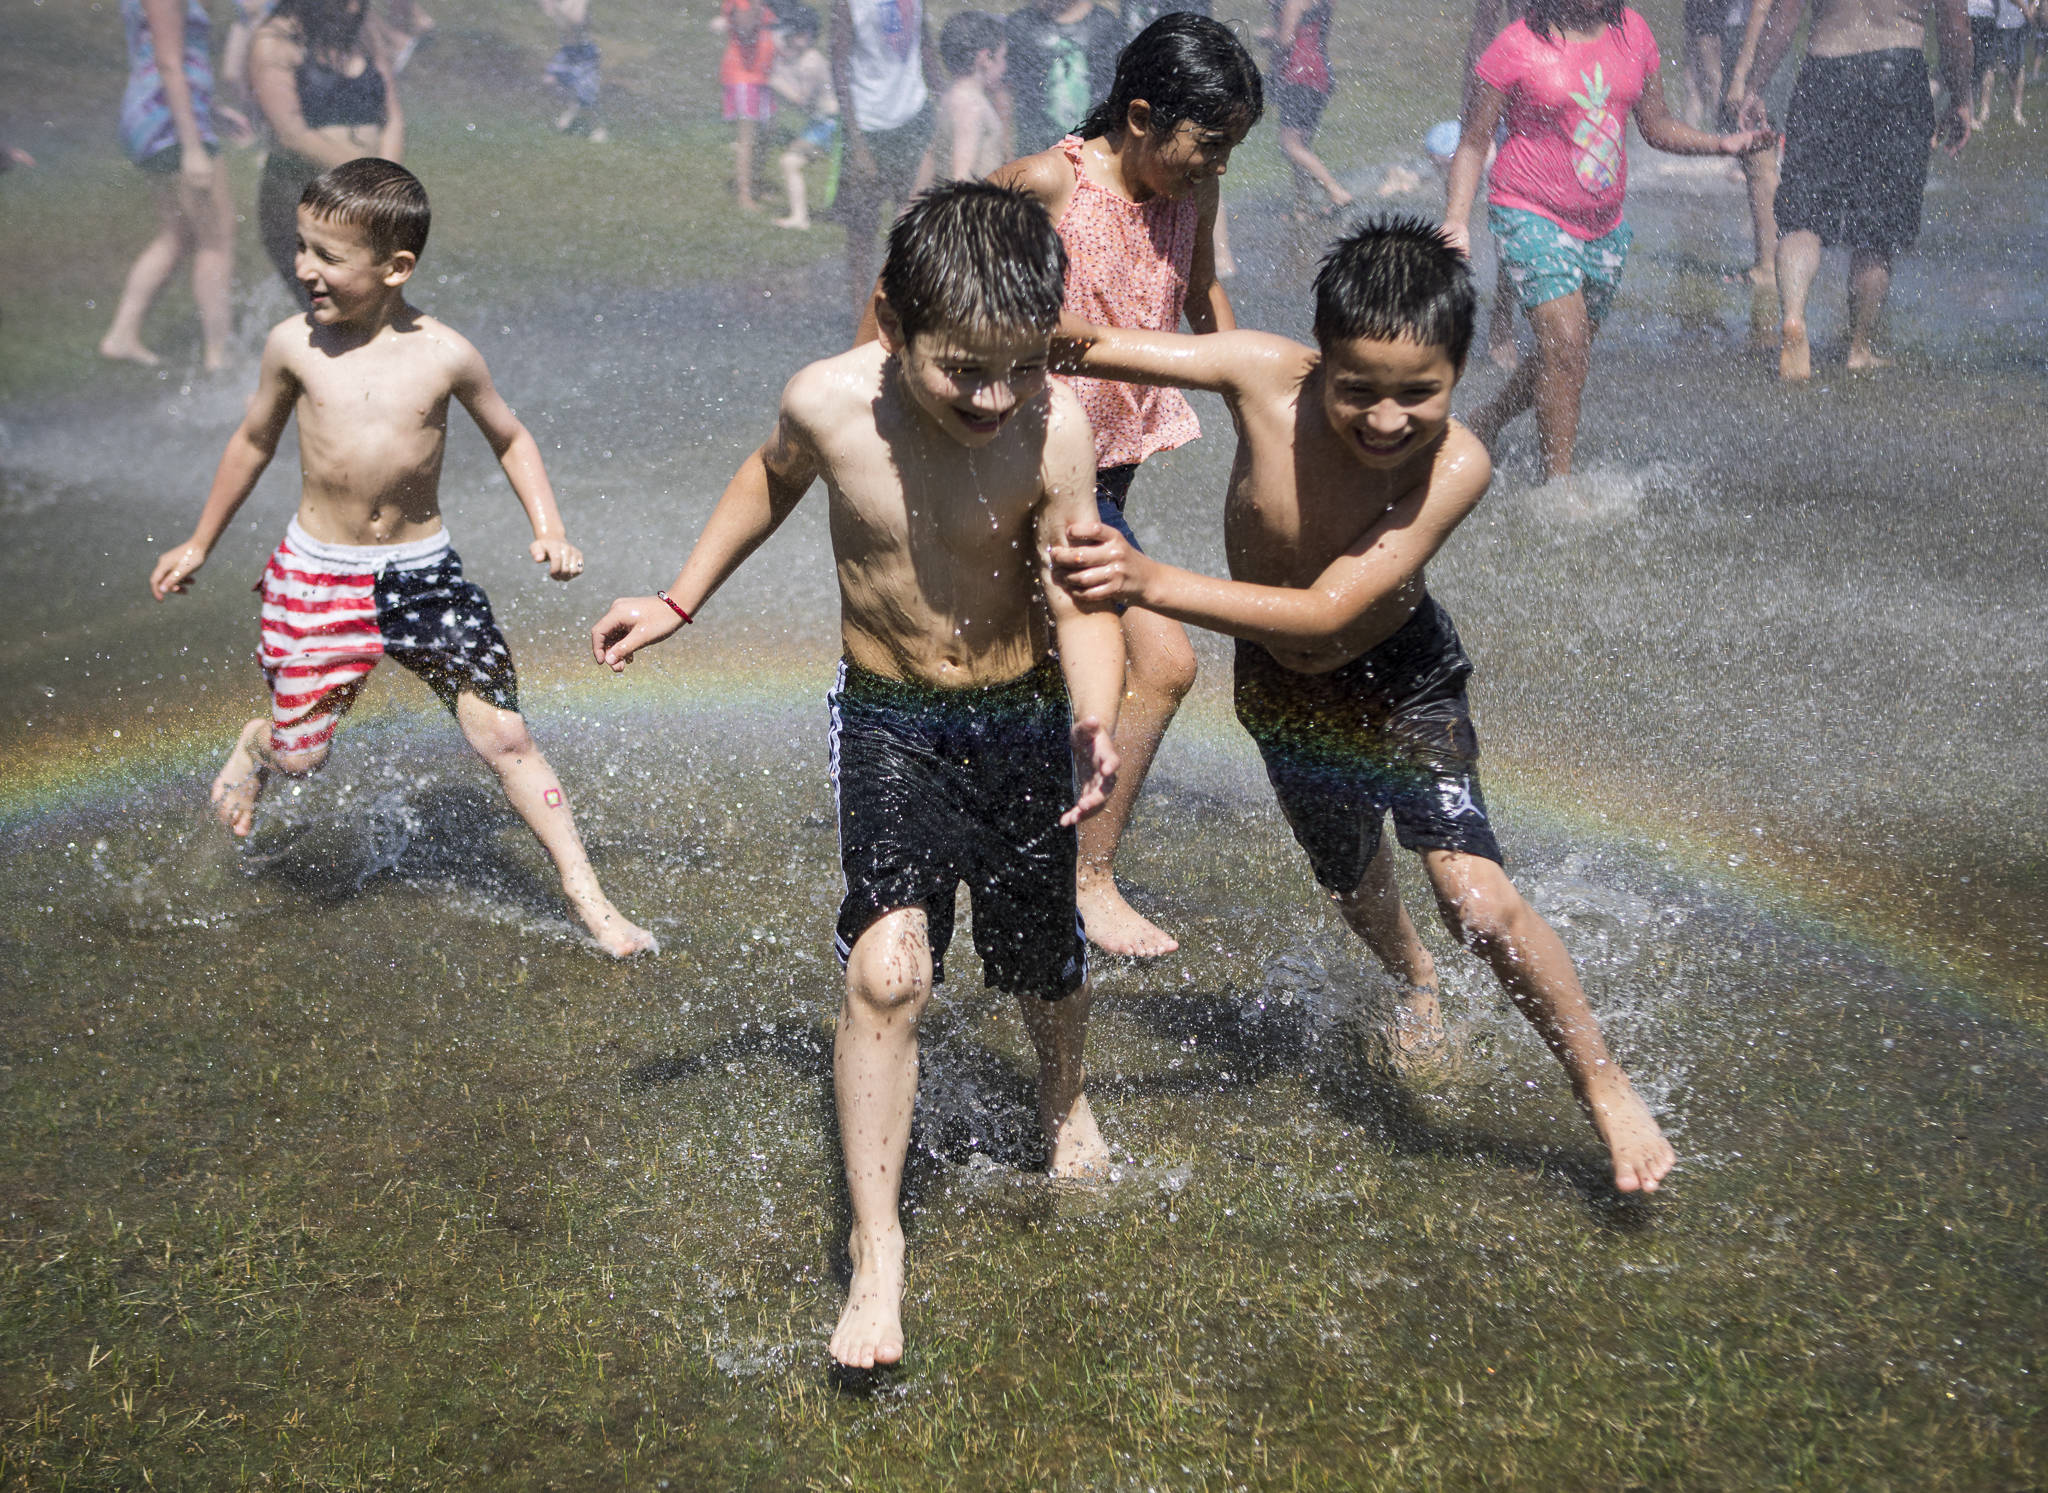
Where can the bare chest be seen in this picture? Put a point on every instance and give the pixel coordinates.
(372, 398)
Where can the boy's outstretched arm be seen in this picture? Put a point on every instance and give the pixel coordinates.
(249, 451)
(519, 454)
(763, 493)
(1359, 600)
(1089, 634)
(1226, 362)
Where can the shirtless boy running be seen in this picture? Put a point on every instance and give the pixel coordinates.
(366, 570)
(1350, 475)
(952, 466)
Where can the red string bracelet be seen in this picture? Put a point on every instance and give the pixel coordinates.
(674, 608)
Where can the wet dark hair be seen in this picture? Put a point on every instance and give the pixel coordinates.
(974, 257)
(1546, 16)
(797, 20)
(329, 28)
(380, 197)
(1186, 67)
(966, 36)
(1395, 279)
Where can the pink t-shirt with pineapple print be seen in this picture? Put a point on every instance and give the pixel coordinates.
(1565, 156)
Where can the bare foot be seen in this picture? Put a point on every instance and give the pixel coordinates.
(615, 933)
(239, 783)
(599, 135)
(749, 205)
(1116, 927)
(127, 350)
(802, 225)
(1641, 1154)
(1795, 353)
(1078, 1150)
(2019, 119)
(1863, 360)
(870, 1330)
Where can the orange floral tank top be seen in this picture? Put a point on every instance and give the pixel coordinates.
(1127, 266)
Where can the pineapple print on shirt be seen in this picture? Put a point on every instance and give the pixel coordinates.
(1597, 135)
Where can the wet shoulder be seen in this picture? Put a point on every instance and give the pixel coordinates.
(1463, 469)
(1047, 176)
(834, 398)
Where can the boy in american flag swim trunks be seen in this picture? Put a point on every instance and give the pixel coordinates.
(366, 570)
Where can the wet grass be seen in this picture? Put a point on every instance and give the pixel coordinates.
(395, 1186)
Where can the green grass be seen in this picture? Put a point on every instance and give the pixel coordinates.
(473, 1210)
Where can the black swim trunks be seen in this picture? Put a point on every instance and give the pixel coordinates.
(1856, 143)
(1389, 731)
(940, 786)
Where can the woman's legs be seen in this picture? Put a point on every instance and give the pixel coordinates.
(213, 269)
(149, 274)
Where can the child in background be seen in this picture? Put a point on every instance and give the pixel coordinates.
(1302, 86)
(749, 28)
(963, 748)
(1350, 476)
(1566, 77)
(802, 79)
(971, 139)
(366, 571)
(573, 68)
(1134, 192)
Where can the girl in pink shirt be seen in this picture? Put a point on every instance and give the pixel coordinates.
(1565, 77)
(1133, 192)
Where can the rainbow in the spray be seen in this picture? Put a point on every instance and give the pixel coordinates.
(67, 771)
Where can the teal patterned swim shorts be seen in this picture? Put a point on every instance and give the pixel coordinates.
(1545, 262)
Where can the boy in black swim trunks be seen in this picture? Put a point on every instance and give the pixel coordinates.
(366, 570)
(952, 465)
(1350, 474)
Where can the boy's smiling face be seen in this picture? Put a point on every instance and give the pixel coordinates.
(1387, 400)
(344, 276)
(969, 384)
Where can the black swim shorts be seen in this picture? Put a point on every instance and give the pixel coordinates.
(1389, 731)
(940, 786)
(1856, 143)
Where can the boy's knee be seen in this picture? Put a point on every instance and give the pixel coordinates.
(503, 739)
(891, 968)
(1165, 671)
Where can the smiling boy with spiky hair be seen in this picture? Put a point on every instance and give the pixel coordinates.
(952, 466)
(1350, 475)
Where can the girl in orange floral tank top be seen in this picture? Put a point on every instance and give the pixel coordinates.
(1133, 192)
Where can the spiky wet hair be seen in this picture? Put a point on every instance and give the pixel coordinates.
(1396, 279)
(975, 257)
(378, 196)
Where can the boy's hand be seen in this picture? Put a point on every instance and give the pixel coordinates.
(563, 560)
(174, 568)
(1098, 564)
(632, 624)
(1095, 765)
(1459, 237)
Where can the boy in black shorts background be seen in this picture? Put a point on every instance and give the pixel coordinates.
(953, 465)
(1350, 475)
